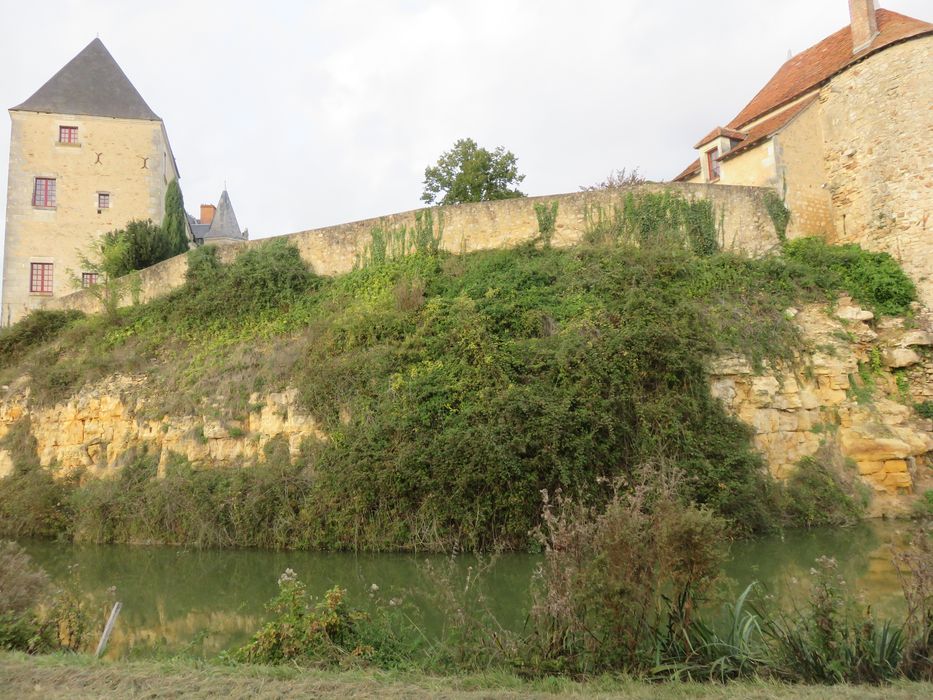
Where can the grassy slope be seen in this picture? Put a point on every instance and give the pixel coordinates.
(440, 378)
(80, 677)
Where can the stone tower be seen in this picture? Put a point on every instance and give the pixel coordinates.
(87, 155)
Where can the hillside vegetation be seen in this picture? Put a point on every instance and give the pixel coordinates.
(454, 388)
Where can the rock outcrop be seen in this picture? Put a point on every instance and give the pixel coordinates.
(96, 429)
(842, 390)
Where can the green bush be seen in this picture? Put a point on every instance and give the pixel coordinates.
(321, 633)
(33, 503)
(33, 331)
(139, 245)
(924, 409)
(873, 279)
(815, 495)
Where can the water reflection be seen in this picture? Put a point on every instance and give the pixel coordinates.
(202, 602)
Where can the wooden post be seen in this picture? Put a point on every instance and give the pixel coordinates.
(108, 629)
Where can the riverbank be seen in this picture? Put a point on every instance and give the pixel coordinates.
(73, 676)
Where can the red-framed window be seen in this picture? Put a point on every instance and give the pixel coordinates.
(68, 134)
(43, 194)
(712, 160)
(103, 200)
(88, 278)
(40, 278)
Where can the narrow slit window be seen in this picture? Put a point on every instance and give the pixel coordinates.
(712, 160)
(43, 194)
(40, 278)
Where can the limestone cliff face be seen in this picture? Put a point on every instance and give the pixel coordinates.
(97, 428)
(850, 388)
(844, 391)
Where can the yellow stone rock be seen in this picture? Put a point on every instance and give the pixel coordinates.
(866, 468)
(894, 466)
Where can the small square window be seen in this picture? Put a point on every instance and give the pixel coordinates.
(43, 193)
(68, 134)
(88, 278)
(40, 278)
(103, 200)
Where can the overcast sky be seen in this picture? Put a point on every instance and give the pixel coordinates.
(317, 113)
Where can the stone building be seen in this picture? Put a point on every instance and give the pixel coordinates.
(217, 224)
(87, 155)
(844, 133)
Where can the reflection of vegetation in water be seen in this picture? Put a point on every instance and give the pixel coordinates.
(171, 596)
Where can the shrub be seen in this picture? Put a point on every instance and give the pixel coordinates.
(137, 246)
(33, 503)
(323, 633)
(873, 279)
(914, 566)
(618, 586)
(830, 639)
(34, 330)
(924, 409)
(815, 495)
(267, 277)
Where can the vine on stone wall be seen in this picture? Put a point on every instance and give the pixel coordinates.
(389, 243)
(779, 213)
(547, 221)
(666, 219)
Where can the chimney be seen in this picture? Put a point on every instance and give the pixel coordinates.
(207, 213)
(863, 22)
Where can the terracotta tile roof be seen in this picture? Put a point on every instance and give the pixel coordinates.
(810, 68)
(769, 127)
(805, 72)
(691, 170)
(720, 131)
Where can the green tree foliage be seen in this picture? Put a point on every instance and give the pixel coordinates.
(468, 173)
(174, 224)
(138, 246)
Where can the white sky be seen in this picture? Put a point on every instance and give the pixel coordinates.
(317, 113)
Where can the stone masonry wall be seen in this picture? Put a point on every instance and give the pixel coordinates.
(878, 131)
(746, 227)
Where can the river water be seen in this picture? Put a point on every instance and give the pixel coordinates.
(202, 602)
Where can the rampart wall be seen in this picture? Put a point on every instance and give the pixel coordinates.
(743, 222)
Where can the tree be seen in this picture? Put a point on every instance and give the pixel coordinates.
(135, 247)
(174, 224)
(468, 173)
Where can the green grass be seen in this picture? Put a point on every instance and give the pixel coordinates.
(73, 676)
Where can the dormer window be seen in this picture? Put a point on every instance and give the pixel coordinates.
(68, 134)
(712, 163)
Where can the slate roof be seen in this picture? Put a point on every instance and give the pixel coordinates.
(805, 72)
(91, 83)
(224, 223)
